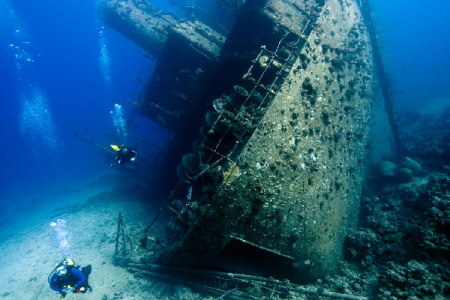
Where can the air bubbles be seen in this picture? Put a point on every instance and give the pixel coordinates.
(104, 58)
(61, 236)
(119, 122)
(36, 124)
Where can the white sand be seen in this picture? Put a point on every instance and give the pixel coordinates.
(29, 255)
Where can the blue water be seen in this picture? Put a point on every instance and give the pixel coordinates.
(62, 71)
(415, 38)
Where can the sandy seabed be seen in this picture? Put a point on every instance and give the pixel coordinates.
(29, 252)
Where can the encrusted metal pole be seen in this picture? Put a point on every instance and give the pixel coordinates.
(383, 78)
(119, 225)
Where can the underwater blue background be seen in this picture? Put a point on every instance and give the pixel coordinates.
(59, 56)
(415, 38)
(70, 60)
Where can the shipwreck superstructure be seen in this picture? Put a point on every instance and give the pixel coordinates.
(269, 109)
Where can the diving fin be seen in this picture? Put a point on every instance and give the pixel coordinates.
(86, 270)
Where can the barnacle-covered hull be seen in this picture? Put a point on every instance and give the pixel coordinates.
(286, 202)
(277, 166)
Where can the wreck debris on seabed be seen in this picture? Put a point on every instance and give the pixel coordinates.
(231, 285)
(269, 105)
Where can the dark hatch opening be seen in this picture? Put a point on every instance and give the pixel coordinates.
(241, 256)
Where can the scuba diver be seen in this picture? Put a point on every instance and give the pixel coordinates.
(67, 278)
(124, 154)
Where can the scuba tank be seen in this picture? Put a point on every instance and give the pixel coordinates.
(68, 263)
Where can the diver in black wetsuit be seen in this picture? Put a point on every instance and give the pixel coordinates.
(125, 154)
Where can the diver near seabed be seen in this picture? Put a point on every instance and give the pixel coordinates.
(124, 154)
(67, 278)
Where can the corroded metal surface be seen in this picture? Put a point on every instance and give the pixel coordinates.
(295, 186)
(140, 21)
(277, 166)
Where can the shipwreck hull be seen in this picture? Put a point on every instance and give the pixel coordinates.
(270, 126)
(287, 199)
